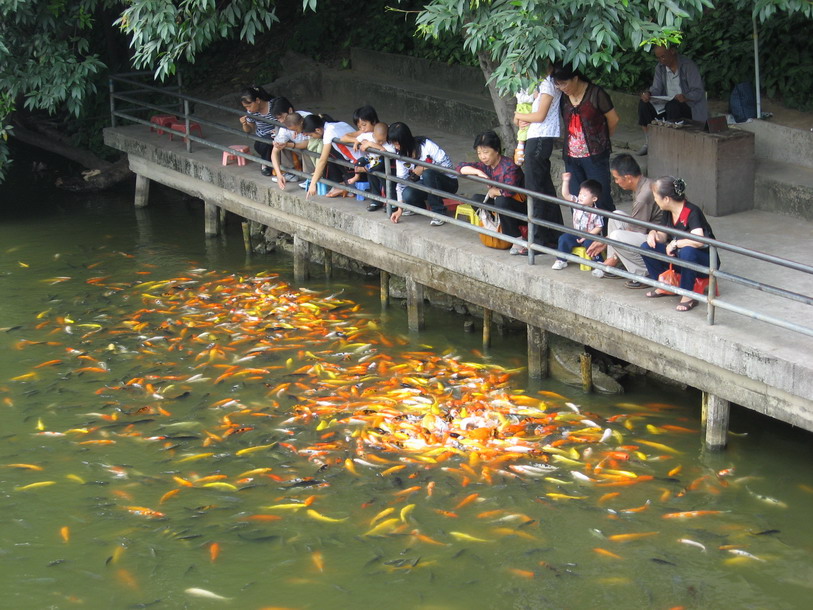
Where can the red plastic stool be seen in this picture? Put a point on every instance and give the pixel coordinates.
(229, 157)
(193, 126)
(162, 120)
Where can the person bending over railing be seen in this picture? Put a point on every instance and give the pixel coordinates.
(493, 165)
(424, 149)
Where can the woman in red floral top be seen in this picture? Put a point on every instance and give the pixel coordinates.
(493, 165)
(589, 121)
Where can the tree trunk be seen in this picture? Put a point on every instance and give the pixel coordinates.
(101, 175)
(504, 106)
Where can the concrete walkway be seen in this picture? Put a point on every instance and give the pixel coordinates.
(754, 364)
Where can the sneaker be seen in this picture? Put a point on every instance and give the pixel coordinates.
(305, 185)
(518, 251)
(437, 222)
(597, 273)
(288, 178)
(266, 170)
(374, 205)
(644, 151)
(407, 213)
(558, 265)
(634, 284)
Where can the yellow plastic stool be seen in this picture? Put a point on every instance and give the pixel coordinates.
(464, 209)
(583, 254)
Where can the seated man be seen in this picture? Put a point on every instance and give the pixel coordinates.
(677, 92)
(627, 174)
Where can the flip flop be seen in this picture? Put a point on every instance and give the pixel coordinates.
(687, 305)
(657, 293)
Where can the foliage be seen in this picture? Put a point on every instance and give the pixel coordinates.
(164, 33)
(522, 35)
(721, 43)
(46, 61)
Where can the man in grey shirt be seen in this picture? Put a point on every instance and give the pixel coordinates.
(627, 174)
(677, 92)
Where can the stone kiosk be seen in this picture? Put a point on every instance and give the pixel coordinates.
(718, 167)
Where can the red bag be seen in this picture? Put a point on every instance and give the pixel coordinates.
(671, 277)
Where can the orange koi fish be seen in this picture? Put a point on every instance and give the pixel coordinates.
(692, 513)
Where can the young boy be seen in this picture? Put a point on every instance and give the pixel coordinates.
(368, 143)
(588, 222)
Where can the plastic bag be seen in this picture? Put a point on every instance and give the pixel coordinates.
(671, 277)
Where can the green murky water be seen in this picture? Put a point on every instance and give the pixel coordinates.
(183, 428)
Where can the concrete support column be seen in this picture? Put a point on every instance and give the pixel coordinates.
(246, 226)
(142, 191)
(715, 419)
(586, 362)
(327, 259)
(211, 216)
(537, 352)
(486, 328)
(414, 292)
(302, 250)
(385, 289)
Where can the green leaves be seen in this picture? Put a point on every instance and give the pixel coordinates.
(162, 33)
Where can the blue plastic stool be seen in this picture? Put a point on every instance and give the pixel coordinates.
(362, 186)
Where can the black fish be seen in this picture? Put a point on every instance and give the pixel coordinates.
(663, 562)
(766, 533)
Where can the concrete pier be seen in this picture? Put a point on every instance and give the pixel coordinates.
(142, 191)
(740, 360)
(301, 258)
(415, 305)
(537, 352)
(211, 215)
(715, 420)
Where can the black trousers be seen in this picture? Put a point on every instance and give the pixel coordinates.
(538, 178)
(673, 112)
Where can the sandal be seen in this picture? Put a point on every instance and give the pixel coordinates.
(657, 293)
(687, 305)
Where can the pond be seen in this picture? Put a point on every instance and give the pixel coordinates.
(186, 427)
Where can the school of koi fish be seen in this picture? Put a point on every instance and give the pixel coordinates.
(270, 402)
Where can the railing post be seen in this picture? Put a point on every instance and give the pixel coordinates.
(712, 285)
(186, 121)
(112, 89)
(531, 230)
(387, 184)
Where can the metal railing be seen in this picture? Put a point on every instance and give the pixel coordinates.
(184, 103)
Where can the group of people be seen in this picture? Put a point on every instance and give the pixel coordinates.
(564, 104)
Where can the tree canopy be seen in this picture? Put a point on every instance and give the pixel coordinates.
(54, 53)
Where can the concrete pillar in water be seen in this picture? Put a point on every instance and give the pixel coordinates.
(385, 289)
(414, 292)
(486, 328)
(211, 216)
(301, 258)
(715, 420)
(586, 361)
(327, 259)
(537, 352)
(246, 225)
(142, 191)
